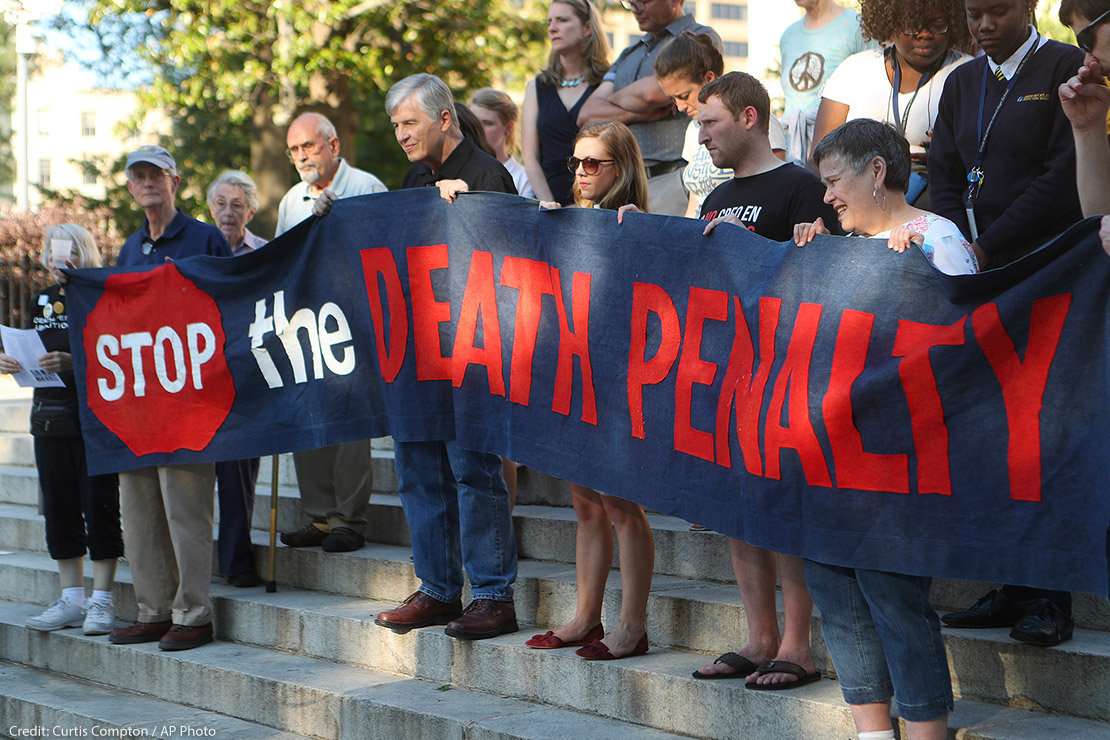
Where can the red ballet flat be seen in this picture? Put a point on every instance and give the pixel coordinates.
(597, 650)
(548, 640)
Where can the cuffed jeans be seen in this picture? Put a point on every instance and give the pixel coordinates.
(459, 516)
(884, 638)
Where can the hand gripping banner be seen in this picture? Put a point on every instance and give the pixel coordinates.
(839, 401)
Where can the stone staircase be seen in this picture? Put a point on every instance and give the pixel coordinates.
(308, 661)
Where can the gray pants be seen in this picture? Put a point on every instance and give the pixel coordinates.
(335, 484)
(666, 194)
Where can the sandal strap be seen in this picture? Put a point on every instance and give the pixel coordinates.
(782, 666)
(739, 662)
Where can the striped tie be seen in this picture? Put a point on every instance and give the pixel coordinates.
(998, 73)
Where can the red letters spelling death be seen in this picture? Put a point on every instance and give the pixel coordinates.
(747, 385)
(157, 381)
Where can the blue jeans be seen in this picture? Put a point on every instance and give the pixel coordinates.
(458, 511)
(884, 638)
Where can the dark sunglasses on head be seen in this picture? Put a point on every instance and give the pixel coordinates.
(590, 164)
(1086, 38)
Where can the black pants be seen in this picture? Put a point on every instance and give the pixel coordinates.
(81, 510)
(235, 482)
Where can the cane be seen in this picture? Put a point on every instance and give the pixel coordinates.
(271, 584)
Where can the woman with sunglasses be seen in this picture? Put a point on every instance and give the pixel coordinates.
(608, 173)
(1002, 159)
(901, 83)
(579, 58)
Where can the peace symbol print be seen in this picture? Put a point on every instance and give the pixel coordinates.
(807, 71)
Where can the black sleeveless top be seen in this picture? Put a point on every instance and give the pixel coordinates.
(556, 127)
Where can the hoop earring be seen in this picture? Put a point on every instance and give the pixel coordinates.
(875, 197)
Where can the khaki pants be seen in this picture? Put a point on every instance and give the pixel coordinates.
(335, 484)
(167, 531)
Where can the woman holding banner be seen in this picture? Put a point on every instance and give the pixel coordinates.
(882, 633)
(608, 173)
(81, 510)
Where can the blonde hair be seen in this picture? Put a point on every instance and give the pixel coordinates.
(501, 104)
(595, 48)
(82, 240)
(621, 146)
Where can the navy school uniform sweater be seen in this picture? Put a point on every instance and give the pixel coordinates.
(1028, 193)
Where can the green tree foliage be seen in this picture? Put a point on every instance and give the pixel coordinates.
(233, 73)
(7, 95)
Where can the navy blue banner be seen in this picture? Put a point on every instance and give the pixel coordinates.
(841, 401)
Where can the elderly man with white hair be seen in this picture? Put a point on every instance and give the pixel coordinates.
(335, 481)
(233, 201)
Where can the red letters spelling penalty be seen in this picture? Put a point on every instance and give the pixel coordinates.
(747, 385)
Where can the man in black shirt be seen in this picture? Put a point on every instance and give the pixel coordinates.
(765, 195)
(768, 197)
(455, 500)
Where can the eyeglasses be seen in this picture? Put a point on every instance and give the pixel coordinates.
(937, 28)
(590, 164)
(308, 147)
(634, 4)
(1086, 38)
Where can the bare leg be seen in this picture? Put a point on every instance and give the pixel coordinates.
(593, 556)
(799, 613)
(755, 575)
(104, 574)
(508, 469)
(934, 729)
(71, 572)
(871, 717)
(637, 562)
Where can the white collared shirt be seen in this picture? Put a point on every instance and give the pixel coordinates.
(1009, 67)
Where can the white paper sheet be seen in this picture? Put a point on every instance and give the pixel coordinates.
(26, 347)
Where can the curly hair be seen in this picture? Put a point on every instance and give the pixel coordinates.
(882, 20)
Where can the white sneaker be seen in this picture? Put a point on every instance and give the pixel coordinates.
(101, 617)
(60, 614)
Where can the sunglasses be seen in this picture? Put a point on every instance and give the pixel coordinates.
(937, 28)
(1086, 38)
(590, 164)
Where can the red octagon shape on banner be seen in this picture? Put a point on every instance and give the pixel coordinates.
(156, 374)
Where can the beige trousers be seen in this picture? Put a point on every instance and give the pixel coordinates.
(167, 533)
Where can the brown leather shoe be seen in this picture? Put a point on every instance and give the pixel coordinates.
(139, 632)
(419, 610)
(484, 618)
(182, 637)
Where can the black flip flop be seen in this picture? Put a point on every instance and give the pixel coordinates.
(743, 666)
(783, 666)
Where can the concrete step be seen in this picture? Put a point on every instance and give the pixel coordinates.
(16, 448)
(21, 528)
(298, 694)
(691, 621)
(71, 707)
(543, 534)
(15, 411)
(19, 485)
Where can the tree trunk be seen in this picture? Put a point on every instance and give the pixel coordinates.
(271, 168)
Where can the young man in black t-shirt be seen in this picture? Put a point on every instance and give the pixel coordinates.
(765, 195)
(768, 197)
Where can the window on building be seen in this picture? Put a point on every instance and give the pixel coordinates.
(90, 175)
(690, 6)
(88, 123)
(42, 121)
(737, 49)
(44, 173)
(728, 12)
(609, 38)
